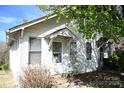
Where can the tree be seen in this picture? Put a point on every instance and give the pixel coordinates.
(92, 20)
(4, 53)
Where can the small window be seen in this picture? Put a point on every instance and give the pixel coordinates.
(35, 51)
(57, 51)
(88, 50)
(73, 52)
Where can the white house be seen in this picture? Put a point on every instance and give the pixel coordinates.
(53, 45)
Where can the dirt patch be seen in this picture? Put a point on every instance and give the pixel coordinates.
(101, 79)
(61, 82)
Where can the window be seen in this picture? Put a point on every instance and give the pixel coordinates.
(73, 51)
(15, 45)
(57, 51)
(35, 51)
(88, 50)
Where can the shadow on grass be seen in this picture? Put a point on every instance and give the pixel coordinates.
(100, 79)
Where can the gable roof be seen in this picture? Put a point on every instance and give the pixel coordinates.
(65, 32)
(15, 31)
(30, 23)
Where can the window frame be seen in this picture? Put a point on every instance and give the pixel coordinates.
(57, 52)
(33, 51)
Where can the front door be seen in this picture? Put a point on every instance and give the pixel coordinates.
(57, 55)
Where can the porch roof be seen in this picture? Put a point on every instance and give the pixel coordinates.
(64, 32)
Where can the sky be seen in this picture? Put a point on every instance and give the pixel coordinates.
(13, 15)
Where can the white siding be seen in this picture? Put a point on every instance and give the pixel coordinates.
(15, 59)
(19, 57)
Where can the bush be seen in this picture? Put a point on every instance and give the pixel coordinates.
(118, 59)
(2, 62)
(5, 67)
(35, 77)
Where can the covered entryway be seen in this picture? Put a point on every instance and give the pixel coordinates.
(59, 45)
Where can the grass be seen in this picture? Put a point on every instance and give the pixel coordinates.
(6, 80)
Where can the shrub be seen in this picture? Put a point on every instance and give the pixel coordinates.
(118, 59)
(5, 67)
(2, 62)
(35, 77)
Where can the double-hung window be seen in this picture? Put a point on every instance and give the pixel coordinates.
(57, 52)
(34, 51)
(88, 50)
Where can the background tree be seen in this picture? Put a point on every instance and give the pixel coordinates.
(92, 20)
(4, 53)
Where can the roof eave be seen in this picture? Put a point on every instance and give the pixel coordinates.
(30, 24)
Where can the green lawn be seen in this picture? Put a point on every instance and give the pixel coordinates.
(6, 80)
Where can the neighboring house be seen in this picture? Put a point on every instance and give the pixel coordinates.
(120, 45)
(54, 46)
